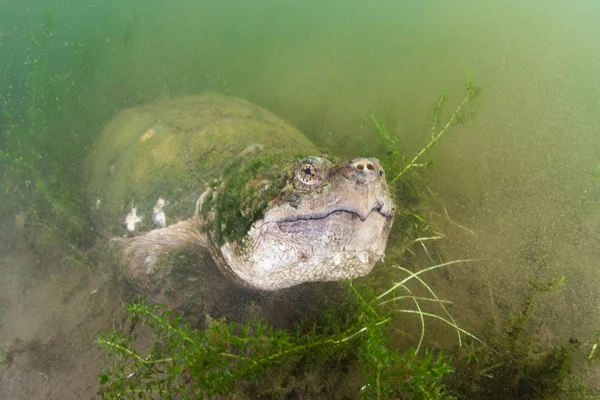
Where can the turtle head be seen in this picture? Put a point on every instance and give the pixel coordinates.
(318, 220)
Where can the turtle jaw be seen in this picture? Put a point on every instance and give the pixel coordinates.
(361, 204)
(361, 214)
(340, 245)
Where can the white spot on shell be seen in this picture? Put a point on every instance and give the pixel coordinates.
(132, 219)
(158, 215)
(337, 259)
(363, 257)
(253, 148)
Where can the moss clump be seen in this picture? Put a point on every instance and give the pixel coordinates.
(250, 184)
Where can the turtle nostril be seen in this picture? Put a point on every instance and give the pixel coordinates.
(360, 167)
(370, 167)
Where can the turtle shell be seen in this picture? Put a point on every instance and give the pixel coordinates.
(175, 149)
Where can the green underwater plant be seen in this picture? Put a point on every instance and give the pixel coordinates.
(395, 162)
(192, 363)
(513, 362)
(520, 362)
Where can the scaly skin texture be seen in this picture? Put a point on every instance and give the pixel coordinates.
(236, 182)
(332, 229)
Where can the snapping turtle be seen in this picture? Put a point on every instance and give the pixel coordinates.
(221, 173)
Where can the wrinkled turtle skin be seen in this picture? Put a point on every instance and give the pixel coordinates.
(241, 182)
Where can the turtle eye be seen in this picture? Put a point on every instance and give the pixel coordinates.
(307, 173)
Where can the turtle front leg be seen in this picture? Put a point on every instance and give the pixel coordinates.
(141, 254)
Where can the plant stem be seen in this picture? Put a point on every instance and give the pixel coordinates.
(308, 346)
(435, 137)
(414, 274)
(120, 347)
(237, 357)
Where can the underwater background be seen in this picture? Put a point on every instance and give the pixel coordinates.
(519, 182)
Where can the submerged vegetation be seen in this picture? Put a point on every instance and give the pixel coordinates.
(256, 360)
(226, 357)
(520, 362)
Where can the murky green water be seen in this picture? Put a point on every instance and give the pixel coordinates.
(519, 177)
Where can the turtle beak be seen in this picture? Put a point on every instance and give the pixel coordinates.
(380, 203)
(370, 191)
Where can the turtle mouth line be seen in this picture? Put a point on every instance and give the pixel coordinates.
(326, 214)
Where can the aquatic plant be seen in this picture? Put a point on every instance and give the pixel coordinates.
(405, 174)
(191, 363)
(514, 363)
(194, 363)
(395, 162)
(520, 362)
